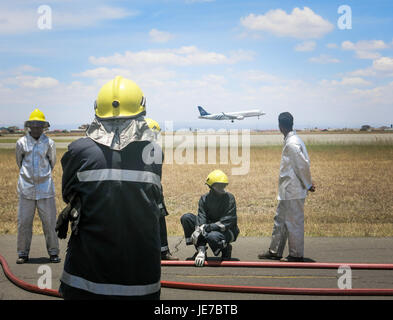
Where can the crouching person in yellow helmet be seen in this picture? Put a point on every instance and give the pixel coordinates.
(36, 158)
(114, 249)
(165, 252)
(216, 222)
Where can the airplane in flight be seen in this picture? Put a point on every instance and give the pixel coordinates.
(229, 115)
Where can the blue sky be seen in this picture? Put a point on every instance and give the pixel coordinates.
(224, 55)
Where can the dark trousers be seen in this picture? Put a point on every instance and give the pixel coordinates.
(215, 239)
(71, 293)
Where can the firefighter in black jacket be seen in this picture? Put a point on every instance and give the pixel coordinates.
(165, 252)
(216, 222)
(114, 248)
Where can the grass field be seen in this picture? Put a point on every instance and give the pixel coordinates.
(353, 197)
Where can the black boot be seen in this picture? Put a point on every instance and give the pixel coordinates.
(22, 259)
(54, 258)
(227, 252)
(167, 255)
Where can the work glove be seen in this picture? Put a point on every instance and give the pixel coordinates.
(70, 213)
(201, 256)
(75, 216)
(62, 222)
(212, 227)
(197, 233)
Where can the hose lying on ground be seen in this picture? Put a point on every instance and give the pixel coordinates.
(244, 289)
(24, 285)
(301, 265)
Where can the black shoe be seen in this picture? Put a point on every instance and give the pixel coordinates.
(227, 252)
(292, 259)
(22, 259)
(168, 256)
(269, 255)
(54, 258)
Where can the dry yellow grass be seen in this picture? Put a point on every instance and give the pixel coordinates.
(353, 197)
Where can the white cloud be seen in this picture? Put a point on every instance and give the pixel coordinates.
(355, 81)
(324, 59)
(160, 36)
(259, 76)
(17, 21)
(25, 20)
(145, 77)
(348, 81)
(19, 70)
(365, 49)
(36, 82)
(300, 24)
(384, 64)
(26, 68)
(306, 46)
(381, 67)
(331, 45)
(86, 18)
(183, 56)
(377, 96)
(364, 45)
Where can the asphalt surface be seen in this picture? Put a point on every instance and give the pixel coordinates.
(339, 250)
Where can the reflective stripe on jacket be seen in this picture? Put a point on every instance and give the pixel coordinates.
(295, 176)
(36, 160)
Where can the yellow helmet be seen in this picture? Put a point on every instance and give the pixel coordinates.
(153, 124)
(216, 176)
(37, 116)
(120, 98)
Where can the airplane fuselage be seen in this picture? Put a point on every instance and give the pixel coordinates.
(233, 115)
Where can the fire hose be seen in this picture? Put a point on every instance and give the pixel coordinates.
(243, 289)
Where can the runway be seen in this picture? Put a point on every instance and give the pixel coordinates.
(241, 138)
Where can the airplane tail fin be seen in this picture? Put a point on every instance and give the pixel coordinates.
(202, 111)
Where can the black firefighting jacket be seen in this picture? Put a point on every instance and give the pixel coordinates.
(117, 248)
(218, 212)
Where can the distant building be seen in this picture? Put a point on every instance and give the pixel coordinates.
(13, 129)
(365, 127)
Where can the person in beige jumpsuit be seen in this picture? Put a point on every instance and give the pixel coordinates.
(36, 158)
(293, 186)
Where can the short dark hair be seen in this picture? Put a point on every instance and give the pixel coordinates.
(285, 120)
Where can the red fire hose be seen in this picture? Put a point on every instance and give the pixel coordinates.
(24, 285)
(302, 265)
(244, 289)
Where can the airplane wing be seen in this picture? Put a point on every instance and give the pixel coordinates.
(230, 117)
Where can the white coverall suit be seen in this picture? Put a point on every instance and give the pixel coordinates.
(294, 183)
(36, 159)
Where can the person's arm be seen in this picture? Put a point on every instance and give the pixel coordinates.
(301, 165)
(202, 215)
(19, 153)
(69, 179)
(51, 154)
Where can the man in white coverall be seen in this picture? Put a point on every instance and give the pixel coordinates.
(36, 157)
(294, 183)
